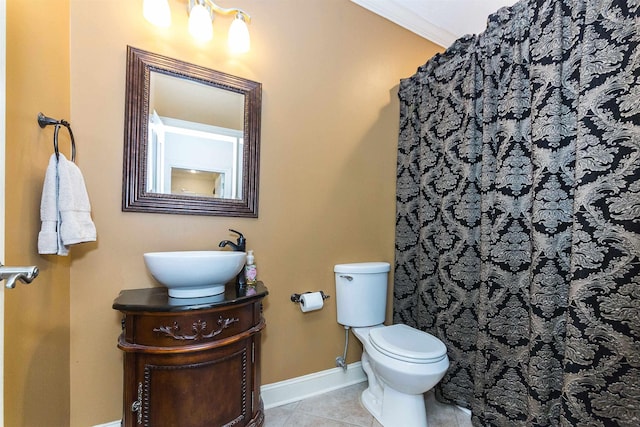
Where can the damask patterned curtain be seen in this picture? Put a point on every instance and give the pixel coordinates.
(518, 214)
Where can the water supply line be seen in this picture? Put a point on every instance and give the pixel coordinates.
(341, 361)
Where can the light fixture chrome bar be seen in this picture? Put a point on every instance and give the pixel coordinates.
(227, 11)
(201, 15)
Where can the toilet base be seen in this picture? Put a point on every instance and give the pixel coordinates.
(395, 409)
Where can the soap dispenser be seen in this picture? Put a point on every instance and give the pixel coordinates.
(250, 270)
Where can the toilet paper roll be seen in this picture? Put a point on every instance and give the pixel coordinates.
(311, 301)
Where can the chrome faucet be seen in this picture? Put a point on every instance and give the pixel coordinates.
(239, 246)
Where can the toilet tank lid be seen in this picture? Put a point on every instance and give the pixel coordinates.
(362, 267)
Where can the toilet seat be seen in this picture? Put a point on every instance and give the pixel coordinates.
(405, 343)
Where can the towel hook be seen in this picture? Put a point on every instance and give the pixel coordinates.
(44, 121)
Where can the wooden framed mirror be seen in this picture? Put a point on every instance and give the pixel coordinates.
(192, 139)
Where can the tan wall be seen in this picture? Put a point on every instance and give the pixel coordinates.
(36, 371)
(330, 71)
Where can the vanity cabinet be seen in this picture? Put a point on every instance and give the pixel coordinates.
(191, 362)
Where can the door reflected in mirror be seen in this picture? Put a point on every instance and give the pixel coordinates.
(197, 182)
(177, 145)
(191, 139)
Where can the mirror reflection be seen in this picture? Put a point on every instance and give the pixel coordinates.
(195, 149)
(191, 139)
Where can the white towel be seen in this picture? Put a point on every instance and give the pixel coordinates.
(73, 203)
(48, 238)
(65, 210)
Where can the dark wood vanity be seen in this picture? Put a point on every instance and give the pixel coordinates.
(191, 362)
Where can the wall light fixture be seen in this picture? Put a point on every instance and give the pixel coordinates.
(201, 14)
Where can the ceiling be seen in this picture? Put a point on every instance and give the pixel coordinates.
(441, 21)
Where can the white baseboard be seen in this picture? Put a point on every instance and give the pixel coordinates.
(295, 389)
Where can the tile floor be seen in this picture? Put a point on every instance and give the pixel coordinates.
(342, 408)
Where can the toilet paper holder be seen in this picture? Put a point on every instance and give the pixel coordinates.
(296, 297)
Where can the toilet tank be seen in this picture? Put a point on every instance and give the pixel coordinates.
(361, 293)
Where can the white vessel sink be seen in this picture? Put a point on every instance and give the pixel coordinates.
(194, 274)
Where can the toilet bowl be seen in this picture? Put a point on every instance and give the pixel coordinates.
(401, 363)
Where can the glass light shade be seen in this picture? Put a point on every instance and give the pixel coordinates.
(239, 40)
(200, 23)
(157, 12)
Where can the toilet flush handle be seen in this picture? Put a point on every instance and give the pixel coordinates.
(349, 278)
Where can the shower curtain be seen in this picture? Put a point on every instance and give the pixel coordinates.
(518, 214)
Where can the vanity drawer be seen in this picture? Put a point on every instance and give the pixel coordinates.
(182, 329)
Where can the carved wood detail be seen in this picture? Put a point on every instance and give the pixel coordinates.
(198, 327)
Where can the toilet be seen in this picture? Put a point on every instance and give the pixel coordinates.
(401, 363)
